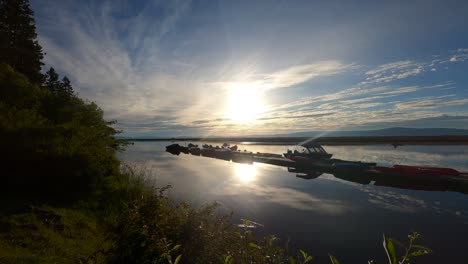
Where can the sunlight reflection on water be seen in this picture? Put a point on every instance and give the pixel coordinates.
(245, 172)
(326, 209)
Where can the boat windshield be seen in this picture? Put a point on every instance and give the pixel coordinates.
(301, 149)
(320, 150)
(298, 149)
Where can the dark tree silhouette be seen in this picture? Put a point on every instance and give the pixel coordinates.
(18, 39)
(52, 80)
(66, 87)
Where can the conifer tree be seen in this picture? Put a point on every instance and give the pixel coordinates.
(67, 87)
(52, 81)
(18, 39)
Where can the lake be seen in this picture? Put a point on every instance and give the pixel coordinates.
(326, 214)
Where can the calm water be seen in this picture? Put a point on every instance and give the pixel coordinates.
(326, 214)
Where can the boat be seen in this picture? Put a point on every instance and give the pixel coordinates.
(173, 149)
(196, 151)
(176, 149)
(307, 152)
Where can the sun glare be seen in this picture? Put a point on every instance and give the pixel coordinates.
(245, 105)
(245, 172)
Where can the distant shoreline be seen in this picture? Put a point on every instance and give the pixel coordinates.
(334, 141)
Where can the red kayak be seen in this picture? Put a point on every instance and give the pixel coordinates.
(418, 170)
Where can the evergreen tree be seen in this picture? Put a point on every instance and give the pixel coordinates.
(52, 81)
(66, 87)
(18, 39)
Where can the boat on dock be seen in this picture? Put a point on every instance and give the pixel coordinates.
(307, 152)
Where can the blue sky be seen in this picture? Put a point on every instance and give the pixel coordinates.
(171, 68)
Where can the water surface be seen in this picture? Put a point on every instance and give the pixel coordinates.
(327, 214)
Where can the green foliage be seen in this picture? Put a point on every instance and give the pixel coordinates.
(305, 257)
(18, 39)
(390, 250)
(57, 143)
(333, 259)
(411, 250)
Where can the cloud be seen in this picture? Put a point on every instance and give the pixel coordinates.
(301, 73)
(394, 66)
(356, 95)
(460, 55)
(289, 76)
(106, 68)
(347, 93)
(298, 115)
(144, 71)
(429, 103)
(393, 71)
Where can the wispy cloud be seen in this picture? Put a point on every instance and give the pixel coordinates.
(290, 76)
(460, 55)
(302, 73)
(429, 103)
(393, 71)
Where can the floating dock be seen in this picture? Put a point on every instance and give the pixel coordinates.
(359, 172)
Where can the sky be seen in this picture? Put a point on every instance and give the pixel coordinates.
(233, 68)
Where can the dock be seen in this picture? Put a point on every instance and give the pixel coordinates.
(354, 171)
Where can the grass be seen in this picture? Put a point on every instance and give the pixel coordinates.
(52, 235)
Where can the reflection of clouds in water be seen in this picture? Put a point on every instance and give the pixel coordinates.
(385, 199)
(208, 179)
(290, 198)
(221, 178)
(409, 204)
(396, 202)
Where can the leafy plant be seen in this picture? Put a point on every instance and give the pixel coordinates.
(411, 250)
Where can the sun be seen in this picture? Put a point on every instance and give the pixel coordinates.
(245, 105)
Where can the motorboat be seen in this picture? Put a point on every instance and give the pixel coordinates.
(306, 152)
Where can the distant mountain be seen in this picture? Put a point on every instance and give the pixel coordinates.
(394, 131)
